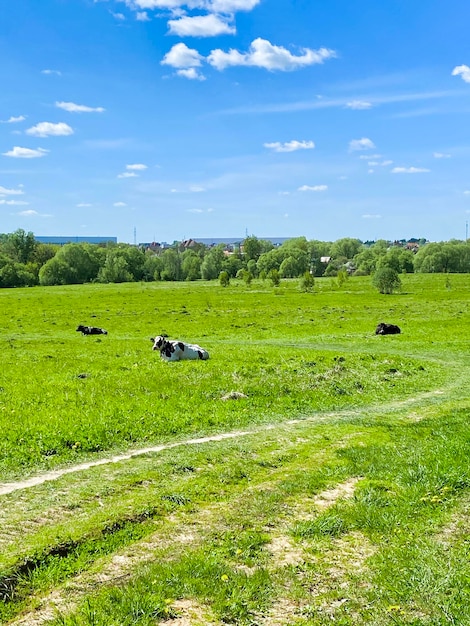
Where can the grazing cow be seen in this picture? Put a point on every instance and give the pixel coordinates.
(387, 329)
(172, 350)
(91, 330)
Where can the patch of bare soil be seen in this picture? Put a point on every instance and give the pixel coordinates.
(190, 613)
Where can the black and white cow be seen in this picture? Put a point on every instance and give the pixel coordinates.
(387, 329)
(172, 350)
(91, 330)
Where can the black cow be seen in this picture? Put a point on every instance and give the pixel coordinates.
(387, 329)
(91, 330)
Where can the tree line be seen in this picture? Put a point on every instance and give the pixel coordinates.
(26, 262)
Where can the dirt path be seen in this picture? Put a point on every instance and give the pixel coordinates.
(6, 488)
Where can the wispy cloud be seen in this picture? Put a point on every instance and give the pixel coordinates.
(25, 153)
(48, 129)
(4, 191)
(136, 166)
(440, 155)
(51, 72)
(290, 146)
(118, 204)
(13, 119)
(361, 144)
(358, 105)
(314, 188)
(369, 216)
(83, 205)
(78, 108)
(127, 175)
(31, 213)
(410, 170)
(13, 202)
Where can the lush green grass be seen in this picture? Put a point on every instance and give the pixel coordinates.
(64, 396)
(354, 513)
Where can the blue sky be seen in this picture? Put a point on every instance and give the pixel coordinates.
(169, 119)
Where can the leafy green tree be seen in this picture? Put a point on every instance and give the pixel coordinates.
(213, 262)
(171, 262)
(191, 265)
(386, 280)
(307, 282)
(20, 245)
(346, 248)
(295, 264)
(269, 261)
(115, 269)
(224, 279)
(253, 248)
(153, 266)
(56, 272)
(274, 277)
(14, 274)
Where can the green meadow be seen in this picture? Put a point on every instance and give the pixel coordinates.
(340, 493)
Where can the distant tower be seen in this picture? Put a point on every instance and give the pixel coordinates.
(135, 236)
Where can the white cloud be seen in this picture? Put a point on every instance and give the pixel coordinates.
(4, 191)
(409, 170)
(118, 204)
(136, 166)
(25, 153)
(31, 213)
(378, 164)
(28, 213)
(314, 188)
(13, 120)
(191, 74)
(358, 105)
(118, 16)
(264, 54)
(290, 146)
(370, 156)
(466, 193)
(195, 211)
(463, 71)
(83, 204)
(361, 144)
(142, 16)
(48, 129)
(201, 26)
(440, 155)
(78, 108)
(231, 6)
(181, 56)
(369, 216)
(13, 202)
(217, 6)
(196, 189)
(51, 72)
(127, 175)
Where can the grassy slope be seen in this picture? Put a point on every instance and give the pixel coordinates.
(253, 530)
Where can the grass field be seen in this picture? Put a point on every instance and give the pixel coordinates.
(341, 495)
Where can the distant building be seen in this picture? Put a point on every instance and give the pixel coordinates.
(61, 241)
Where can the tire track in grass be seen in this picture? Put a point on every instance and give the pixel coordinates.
(188, 531)
(39, 479)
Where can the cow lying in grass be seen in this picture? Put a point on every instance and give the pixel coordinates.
(387, 329)
(91, 330)
(172, 350)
